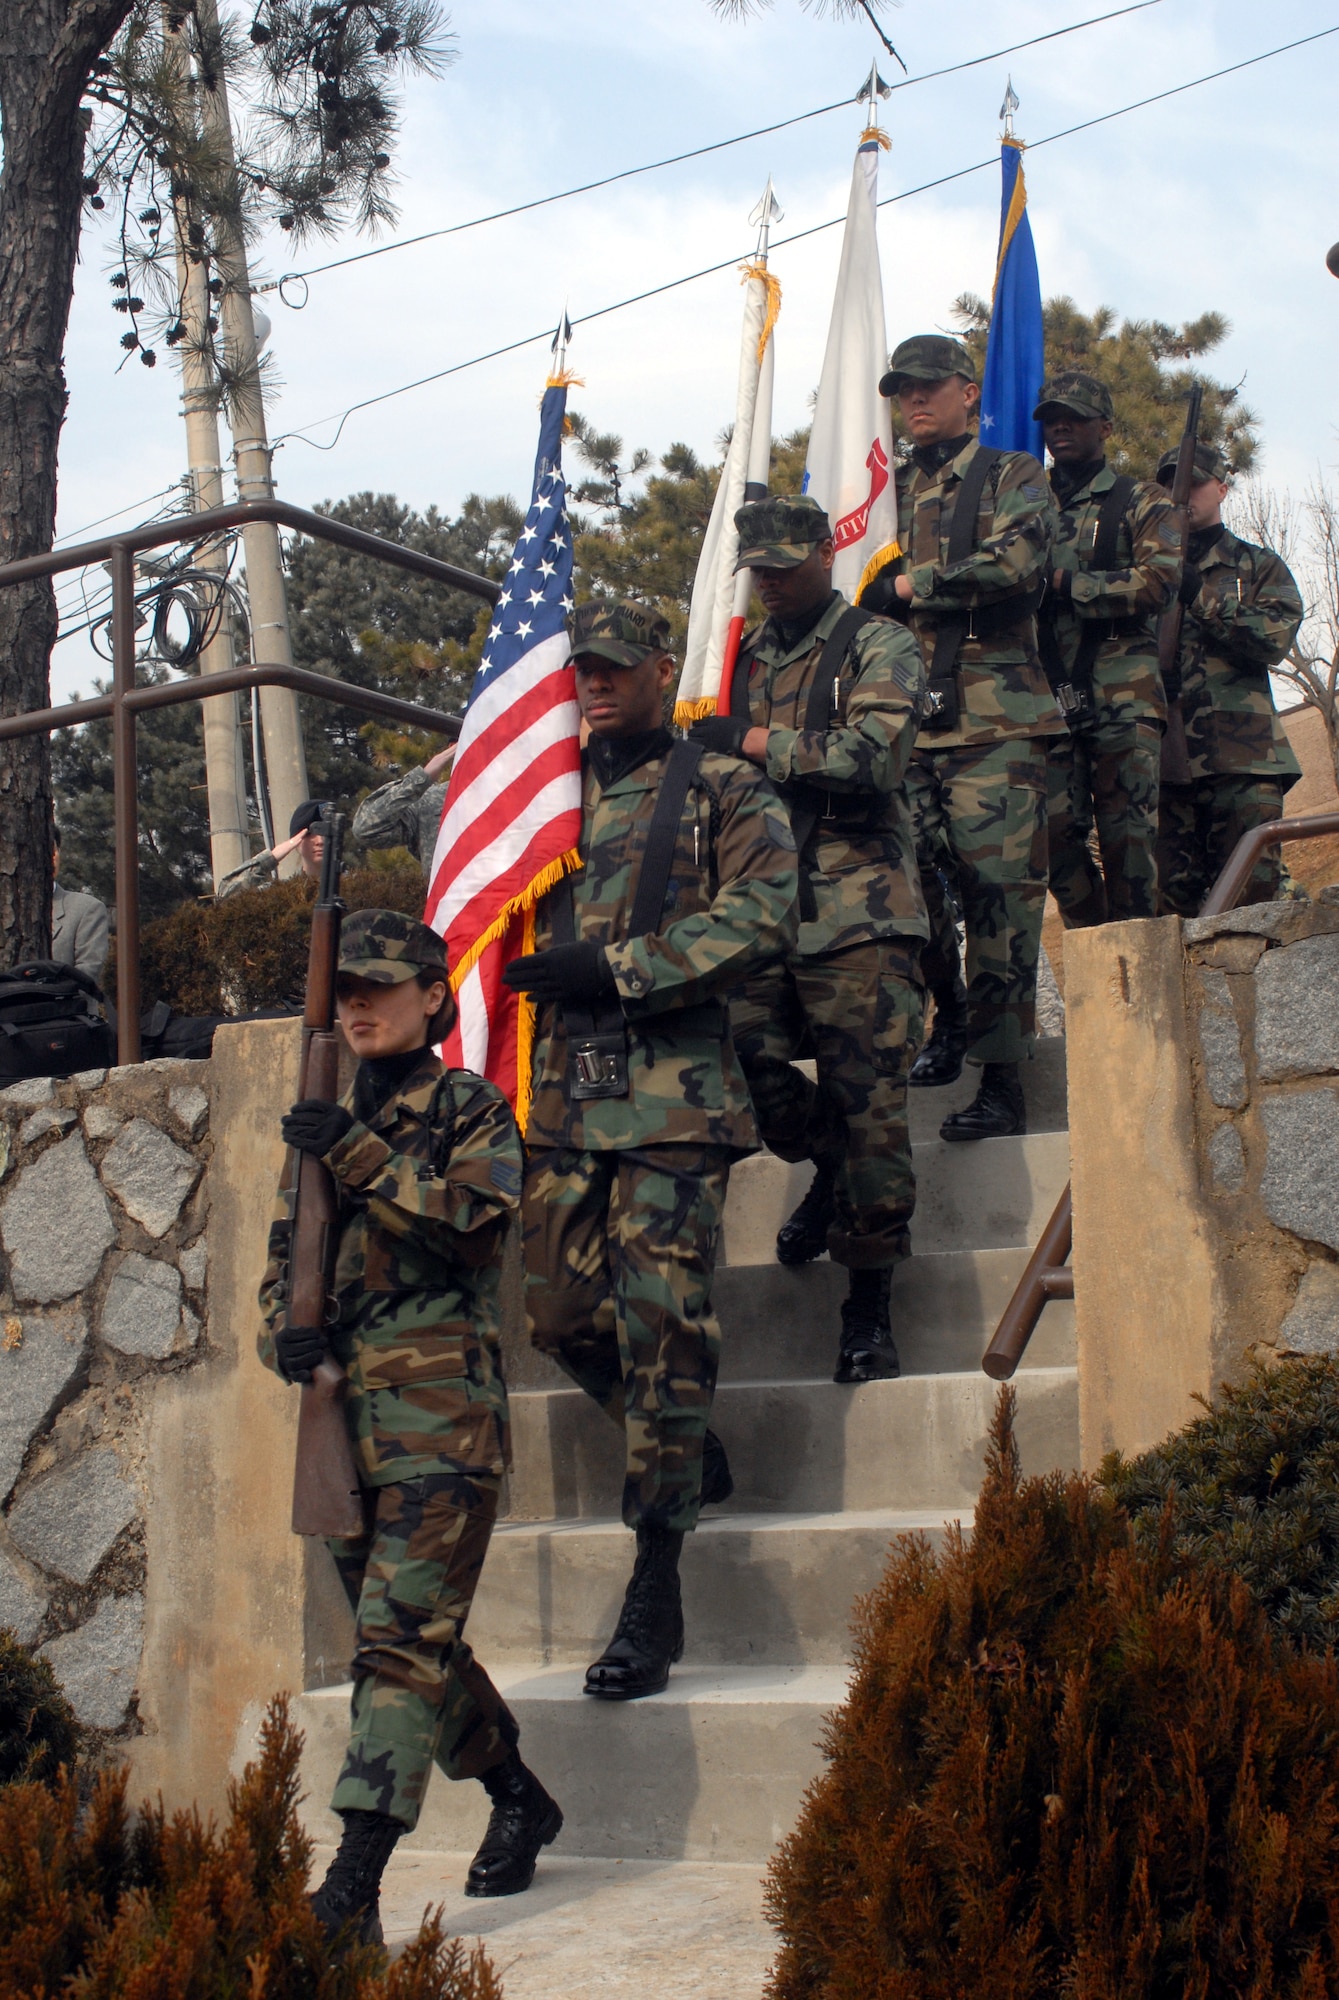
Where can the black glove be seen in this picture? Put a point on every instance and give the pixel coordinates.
(299, 1349)
(880, 594)
(722, 733)
(1192, 582)
(315, 1125)
(575, 973)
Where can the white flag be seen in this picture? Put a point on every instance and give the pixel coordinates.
(850, 468)
(720, 599)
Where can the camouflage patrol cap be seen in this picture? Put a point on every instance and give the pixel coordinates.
(1209, 464)
(1083, 395)
(389, 948)
(780, 532)
(926, 357)
(621, 631)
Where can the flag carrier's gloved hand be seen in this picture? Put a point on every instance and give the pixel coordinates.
(577, 974)
(314, 1125)
(722, 733)
(298, 1350)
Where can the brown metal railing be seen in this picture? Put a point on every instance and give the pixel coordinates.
(125, 700)
(1047, 1275)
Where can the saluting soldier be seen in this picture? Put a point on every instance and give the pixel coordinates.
(408, 811)
(427, 1166)
(1117, 566)
(1243, 610)
(687, 885)
(976, 526)
(826, 700)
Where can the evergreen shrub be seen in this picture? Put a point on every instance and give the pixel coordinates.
(95, 1905)
(1071, 1763)
(250, 951)
(38, 1730)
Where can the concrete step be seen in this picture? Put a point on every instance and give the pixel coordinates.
(777, 1324)
(759, 1589)
(993, 1194)
(804, 1447)
(596, 1929)
(712, 1769)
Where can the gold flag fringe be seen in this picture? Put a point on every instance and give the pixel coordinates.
(887, 554)
(566, 378)
(878, 135)
(760, 271)
(686, 712)
(526, 1015)
(546, 879)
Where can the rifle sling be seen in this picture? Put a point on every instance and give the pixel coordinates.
(653, 877)
(1078, 679)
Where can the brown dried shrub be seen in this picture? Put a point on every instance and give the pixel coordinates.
(95, 1905)
(1070, 1767)
(250, 951)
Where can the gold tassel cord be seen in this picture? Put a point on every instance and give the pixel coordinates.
(760, 271)
(688, 712)
(878, 135)
(567, 378)
(546, 879)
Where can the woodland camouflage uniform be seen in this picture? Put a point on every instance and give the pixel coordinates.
(978, 788)
(1104, 773)
(428, 1181)
(624, 1195)
(1241, 624)
(849, 992)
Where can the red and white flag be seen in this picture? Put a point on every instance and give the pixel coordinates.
(850, 465)
(512, 817)
(720, 599)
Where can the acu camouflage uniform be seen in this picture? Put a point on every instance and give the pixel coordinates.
(1104, 774)
(624, 1195)
(405, 813)
(428, 1181)
(978, 789)
(1240, 625)
(849, 993)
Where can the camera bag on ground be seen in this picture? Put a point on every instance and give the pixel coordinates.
(51, 1022)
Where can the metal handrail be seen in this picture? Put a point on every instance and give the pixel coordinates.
(125, 700)
(1047, 1274)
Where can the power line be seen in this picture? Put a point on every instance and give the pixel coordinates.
(709, 270)
(697, 153)
(73, 534)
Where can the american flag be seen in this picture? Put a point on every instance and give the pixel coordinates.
(512, 816)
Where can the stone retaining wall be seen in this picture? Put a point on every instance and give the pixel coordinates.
(103, 1209)
(1204, 1136)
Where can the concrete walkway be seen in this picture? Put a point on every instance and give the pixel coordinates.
(598, 1930)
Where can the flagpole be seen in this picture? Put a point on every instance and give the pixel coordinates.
(758, 470)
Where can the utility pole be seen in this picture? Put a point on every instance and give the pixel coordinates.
(225, 772)
(285, 759)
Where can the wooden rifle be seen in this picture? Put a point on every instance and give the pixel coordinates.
(1175, 749)
(327, 1499)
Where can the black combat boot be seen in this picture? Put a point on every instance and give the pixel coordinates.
(524, 1819)
(805, 1236)
(351, 1891)
(867, 1352)
(717, 1479)
(648, 1638)
(941, 1059)
(996, 1112)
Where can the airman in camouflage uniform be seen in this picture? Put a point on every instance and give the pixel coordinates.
(624, 1191)
(407, 812)
(977, 781)
(1099, 645)
(1242, 614)
(849, 993)
(427, 1167)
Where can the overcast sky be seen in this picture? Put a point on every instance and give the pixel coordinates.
(1221, 198)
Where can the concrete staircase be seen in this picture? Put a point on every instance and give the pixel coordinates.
(713, 1769)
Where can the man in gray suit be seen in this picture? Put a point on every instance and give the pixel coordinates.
(79, 930)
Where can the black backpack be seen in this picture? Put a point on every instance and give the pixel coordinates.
(51, 1022)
